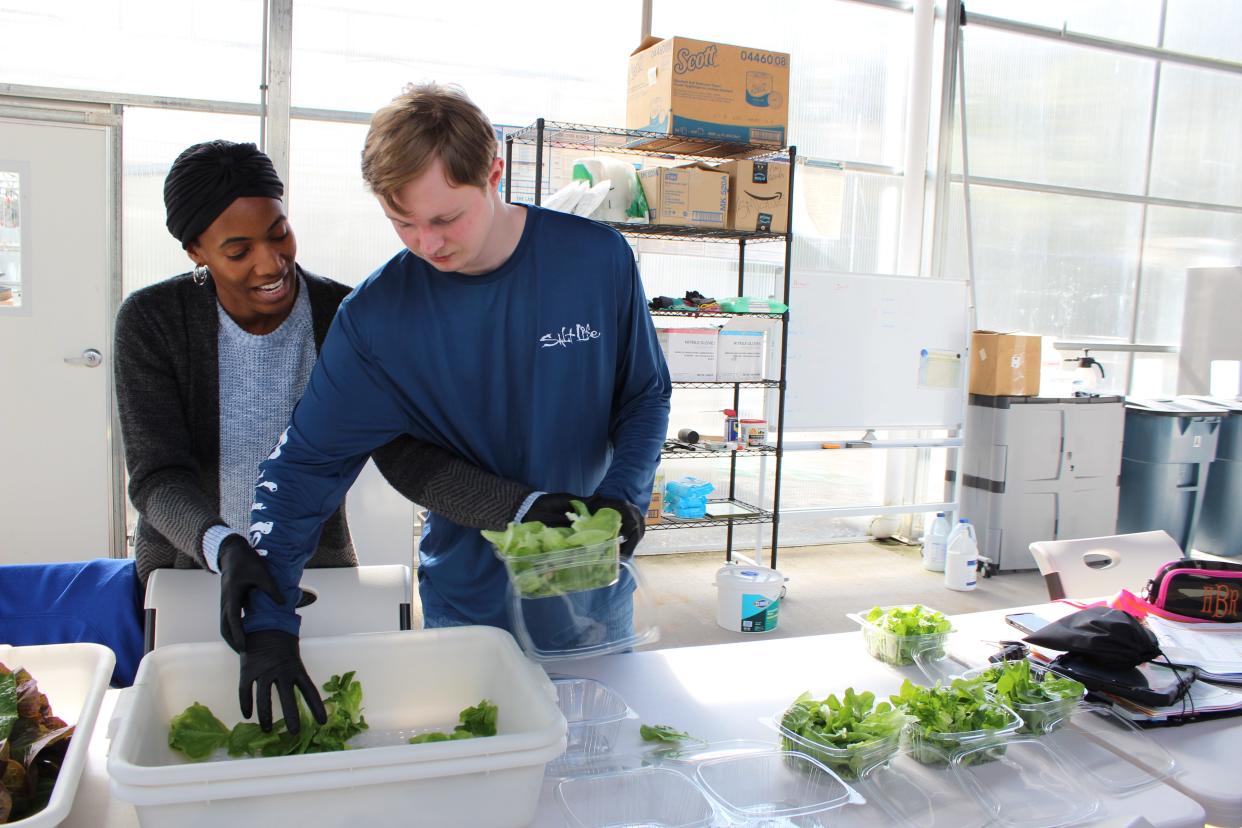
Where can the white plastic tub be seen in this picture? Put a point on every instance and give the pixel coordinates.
(748, 598)
(74, 678)
(411, 681)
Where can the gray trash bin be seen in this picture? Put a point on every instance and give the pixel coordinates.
(1220, 524)
(1168, 448)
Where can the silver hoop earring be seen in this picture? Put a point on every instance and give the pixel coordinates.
(200, 275)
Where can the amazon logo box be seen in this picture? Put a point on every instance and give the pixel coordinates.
(711, 91)
(758, 195)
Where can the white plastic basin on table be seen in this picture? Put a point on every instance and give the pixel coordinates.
(410, 681)
(74, 678)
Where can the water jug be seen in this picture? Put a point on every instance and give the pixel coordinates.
(961, 558)
(936, 543)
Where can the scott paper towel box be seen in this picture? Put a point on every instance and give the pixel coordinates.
(739, 355)
(706, 90)
(689, 352)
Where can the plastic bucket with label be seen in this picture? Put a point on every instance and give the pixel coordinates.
(748, 598)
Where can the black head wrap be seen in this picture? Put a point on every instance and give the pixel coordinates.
(207, 178)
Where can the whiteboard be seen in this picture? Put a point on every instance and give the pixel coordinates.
(869, 351)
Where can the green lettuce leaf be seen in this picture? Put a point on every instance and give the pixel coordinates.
(197, 733)
(530, 548)
(661, 733)
(475, 722)
(193, 733)
(479, 720)
(915, 620)
(434, 736)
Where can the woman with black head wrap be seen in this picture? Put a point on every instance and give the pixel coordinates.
(209, 365)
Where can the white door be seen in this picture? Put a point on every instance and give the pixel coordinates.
(57, 470)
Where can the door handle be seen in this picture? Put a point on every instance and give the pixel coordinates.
(91, 358)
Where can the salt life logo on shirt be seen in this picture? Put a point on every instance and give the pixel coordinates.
(568, 335)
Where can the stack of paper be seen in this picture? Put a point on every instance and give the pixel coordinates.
(1216, 649)
(1202, 699)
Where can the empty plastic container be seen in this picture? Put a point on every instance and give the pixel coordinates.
(915, 793)
(594, 713)
(655, 797)
(1109, 750)
(1032, 788)
(753, 788)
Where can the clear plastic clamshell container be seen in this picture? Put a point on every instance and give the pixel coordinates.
(1026, 787)
(1037, 717)
(656, 797)
(938, 665)
(771, 787)
(931, 746)
(586, 622)
(687, 757)
(1110, 750)
(595, 714)
(847, 761)
(564, 571)
(896, 649)
(921, 794)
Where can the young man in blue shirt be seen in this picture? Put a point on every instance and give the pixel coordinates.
(517, 337)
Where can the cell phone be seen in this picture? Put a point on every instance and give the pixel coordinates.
(1028, 622)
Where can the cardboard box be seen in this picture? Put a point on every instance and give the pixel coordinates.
(694, 195)
(689, 352)
(739, 355)
(1004, 364)
(714, 91)
(657, 499)
(758, 195)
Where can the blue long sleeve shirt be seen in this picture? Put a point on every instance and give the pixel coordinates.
(545, 371)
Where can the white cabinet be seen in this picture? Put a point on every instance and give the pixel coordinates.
(1040, 468)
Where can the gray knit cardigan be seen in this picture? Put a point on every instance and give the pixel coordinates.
(168, 395)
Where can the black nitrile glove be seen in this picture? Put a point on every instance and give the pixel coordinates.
(633, 521)
(553, 509)
(241, 570)
(272, 657)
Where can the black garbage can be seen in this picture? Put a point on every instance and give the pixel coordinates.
(1220, 523)
(1166, 453)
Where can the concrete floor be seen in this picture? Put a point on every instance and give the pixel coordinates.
(824, 583)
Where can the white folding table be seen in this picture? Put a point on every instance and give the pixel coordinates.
(722, 692)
